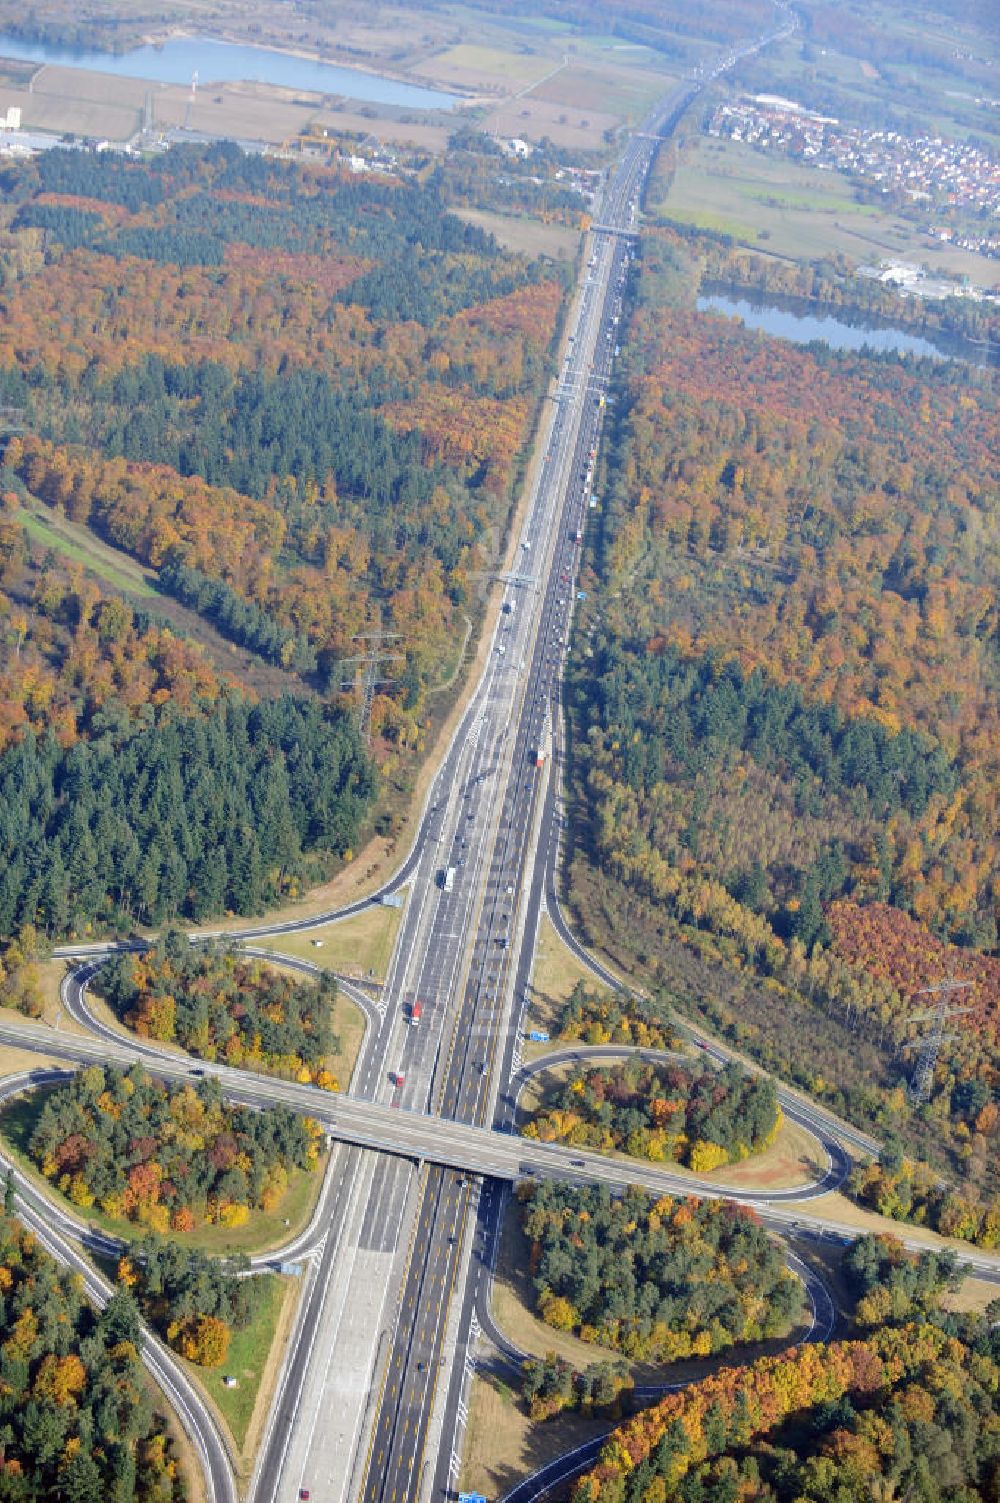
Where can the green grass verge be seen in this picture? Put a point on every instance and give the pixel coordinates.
(264, 1230)
(247, 1359)
(93, 556)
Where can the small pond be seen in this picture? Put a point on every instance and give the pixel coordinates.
(797, 320)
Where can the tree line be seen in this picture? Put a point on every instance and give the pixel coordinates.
(695, 1116)
(616, 1018)
(657, 1280)
(221, 1004)
(169, 1158)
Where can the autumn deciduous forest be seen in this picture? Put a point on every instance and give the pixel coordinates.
(301, 400)
(223, 1005)
(667, 1112)
(77, 1418)
(787, 706)
(655, 1280)
(908, 1407)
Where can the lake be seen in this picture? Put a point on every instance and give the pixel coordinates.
(230, 62)
(787, 319)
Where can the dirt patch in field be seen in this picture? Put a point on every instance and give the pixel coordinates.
(529, 236)
(531, 119)
(973, 1297)
(502, 1445)
(794, 1158)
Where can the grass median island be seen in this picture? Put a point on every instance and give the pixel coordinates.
(503, 1445)
(226, 1324)
(555, 974)
(359, 947)
(248, 1358)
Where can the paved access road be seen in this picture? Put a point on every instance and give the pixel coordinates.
(59, 1235)
(359, 1407)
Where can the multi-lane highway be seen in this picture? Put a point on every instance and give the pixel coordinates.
(401, 1251)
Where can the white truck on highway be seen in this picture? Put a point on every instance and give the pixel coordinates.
(448, 879)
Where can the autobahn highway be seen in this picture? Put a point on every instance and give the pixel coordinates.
(485, 1018)
(370, 1397)
(417, 1138)
(413, 1137)
(483, 820)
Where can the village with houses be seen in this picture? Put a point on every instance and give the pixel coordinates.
(956, 182)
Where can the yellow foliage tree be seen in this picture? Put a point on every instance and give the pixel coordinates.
(556, 1311)
(704, 1157)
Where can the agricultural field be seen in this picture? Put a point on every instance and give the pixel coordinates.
(581, 82)
(588, 80)
(486, 69)
(525, 234)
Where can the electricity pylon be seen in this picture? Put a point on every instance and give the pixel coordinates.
(369, 660)
(923, 1075)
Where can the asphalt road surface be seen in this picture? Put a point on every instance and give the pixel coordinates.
(369, 1399)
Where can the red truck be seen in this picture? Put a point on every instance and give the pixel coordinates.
(416, 1013)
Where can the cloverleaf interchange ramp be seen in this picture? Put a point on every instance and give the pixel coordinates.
(423, 1138)
(417, 1136)
(369, 1399)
